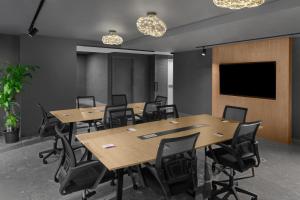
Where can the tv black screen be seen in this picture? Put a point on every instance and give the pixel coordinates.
(249, 79)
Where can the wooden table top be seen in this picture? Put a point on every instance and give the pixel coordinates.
(87, 114)
(131, 150)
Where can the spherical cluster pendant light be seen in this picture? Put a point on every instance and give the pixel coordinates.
(151, 25)
(238, 4)
(112, 38)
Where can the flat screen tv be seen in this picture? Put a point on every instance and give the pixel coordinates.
(249, 79)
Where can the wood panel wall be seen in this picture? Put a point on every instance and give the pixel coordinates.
(275, 114)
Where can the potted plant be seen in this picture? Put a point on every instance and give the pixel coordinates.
(12, 80)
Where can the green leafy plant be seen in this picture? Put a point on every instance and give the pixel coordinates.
(11, 83)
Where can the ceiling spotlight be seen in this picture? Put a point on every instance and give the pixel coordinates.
(203, 51)
(32, 31)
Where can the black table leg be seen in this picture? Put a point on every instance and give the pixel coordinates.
(89, 155)
(71, 132)
(120, 173)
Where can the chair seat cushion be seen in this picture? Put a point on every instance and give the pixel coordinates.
(226, 159)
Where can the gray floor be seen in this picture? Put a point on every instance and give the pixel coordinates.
(23, 176)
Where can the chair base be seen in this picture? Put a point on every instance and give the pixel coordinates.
(54, 151)
(230, 188)
(48, 153)
(87, 194)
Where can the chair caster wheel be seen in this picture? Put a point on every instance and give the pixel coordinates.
(41, 156)
(214, 187)
(45, 162)
(112, 183)
(253, 198)
(135, 187)
(213, 167)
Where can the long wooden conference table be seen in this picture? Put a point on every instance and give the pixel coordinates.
(138, 144)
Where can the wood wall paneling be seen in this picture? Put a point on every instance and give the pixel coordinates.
(275, 114)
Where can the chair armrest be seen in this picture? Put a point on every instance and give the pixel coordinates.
(257, 154)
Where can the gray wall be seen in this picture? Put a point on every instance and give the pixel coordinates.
(296, 89)
(9, 54)
(97, 76)
(193, 82)
(81, 75)
(54, 84)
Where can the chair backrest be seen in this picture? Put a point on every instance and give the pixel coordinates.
(118, 99)
(176, 160)
(244, 144)
(245, 132)
(43, 111)
(85, 101)
(46, 128)
(114, 116)
(167, 111)
(234, 113)
(68, 157)
(161, 100)
(150, 111)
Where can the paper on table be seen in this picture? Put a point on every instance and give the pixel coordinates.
(131, 129)
(219, 134)
(107, 146)
(174, 122)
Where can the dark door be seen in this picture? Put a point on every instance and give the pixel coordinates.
(122, 77)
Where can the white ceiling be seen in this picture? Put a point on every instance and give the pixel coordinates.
(190, 22)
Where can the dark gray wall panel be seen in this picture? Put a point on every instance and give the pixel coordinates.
(81, 75)
(193, 82)
(161, 75)
(296, 89)
(97, 76)
(141, 78)
(9, 54)
(54, 84)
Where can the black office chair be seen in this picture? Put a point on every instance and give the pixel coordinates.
(167, 111)
(161, 100)
(73, 175)
(114, 116)
(150, 113)
(233, 113)
(240, 156)
(46, 129)
(87, 102)
(175, 169)
(118, 99)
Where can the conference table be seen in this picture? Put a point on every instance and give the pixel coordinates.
(137, 144)
(72, 116)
